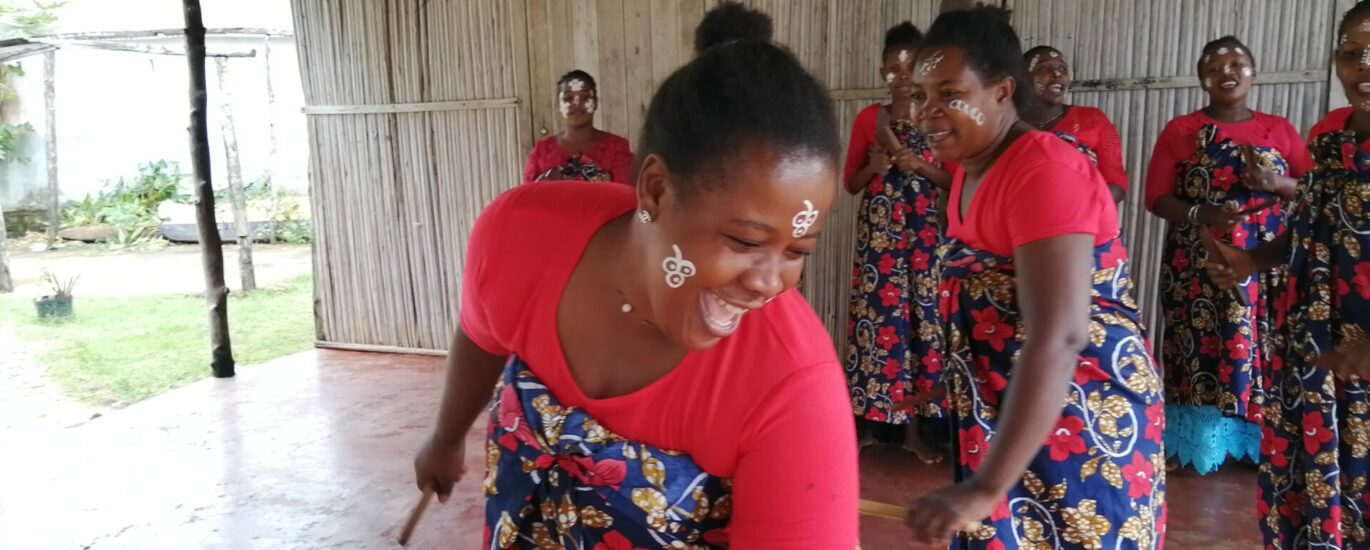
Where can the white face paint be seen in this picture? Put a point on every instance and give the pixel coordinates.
(1248, 72)
(1239, 50)
(930, 64)
(565, 107)
(804, 219)
(677, 268)
(1364, 26)
(590, 106)
(1364, 105)
(1054, 55)
(1227, 69)
(1344, 39)
(1038, 88)
(1224, 51)
(1208, 58)
(889, 77)
(1032, 66)
(904, 56)
(575, 85)
(971, 111)
(1208, 83)
(1365, 57)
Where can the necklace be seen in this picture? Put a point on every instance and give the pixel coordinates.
(1048, 122)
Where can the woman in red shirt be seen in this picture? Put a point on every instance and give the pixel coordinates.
(1047, 110)
(1215, 345)
(580, 152)
(894, 330)
(663, 384)
(1314, 480)
(1055, 398)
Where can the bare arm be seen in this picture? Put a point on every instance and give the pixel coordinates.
(1054, 280)
(471, 376)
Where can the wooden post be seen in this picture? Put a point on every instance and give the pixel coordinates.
(50, 105)
(270, 111)
(6, 283)
(246, 271)
(211, 250)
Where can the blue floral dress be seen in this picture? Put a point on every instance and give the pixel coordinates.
(555, 478)
(894, 349)
(1216, 348)
(1315, 455)
(1099, 481)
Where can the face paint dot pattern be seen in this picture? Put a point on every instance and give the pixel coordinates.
(903, 56)
(677, 268)
(930, 64)
(1248, 72)
(889, 77)
(971, 111)
(804, 219)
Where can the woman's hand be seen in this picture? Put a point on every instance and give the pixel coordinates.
(1220, 218)
(878, 161)
(908, 161)
(1227, 266)
(440, 464)
(935, 517)
(1352, 361)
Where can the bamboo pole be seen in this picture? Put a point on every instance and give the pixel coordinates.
(211, 249)
(50, 107)
(246, 272)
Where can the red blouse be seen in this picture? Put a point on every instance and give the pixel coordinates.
(767, 406)
(862, 138)
(1335, 121)
(1041, 187)
(610, 152)
(1177, 143)
(1092, 127)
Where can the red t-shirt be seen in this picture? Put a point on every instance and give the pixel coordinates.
(1335, 121)
(1177, 143)
(1092, 127)
(767, 406)
(610, 152)
(1041, 187)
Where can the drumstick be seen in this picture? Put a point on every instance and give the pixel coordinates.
(877, 509)
(415, 515)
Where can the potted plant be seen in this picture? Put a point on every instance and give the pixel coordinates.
(59, 303)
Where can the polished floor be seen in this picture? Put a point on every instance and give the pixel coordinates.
(314, 450)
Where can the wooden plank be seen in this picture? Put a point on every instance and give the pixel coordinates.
(389, 108)
(541, 82)
(613, 74)
(168, 33)
(523, 70)
(638, 74)
(155, 50)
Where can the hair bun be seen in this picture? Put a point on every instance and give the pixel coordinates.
(732, 22)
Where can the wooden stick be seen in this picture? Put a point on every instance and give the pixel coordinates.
(415, 515)
(881, 510)
(211, 250)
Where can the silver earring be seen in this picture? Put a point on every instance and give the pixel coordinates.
(644, 216)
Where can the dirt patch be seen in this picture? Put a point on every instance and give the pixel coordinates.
(173, 269)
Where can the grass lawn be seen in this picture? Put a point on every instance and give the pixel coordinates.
(131, 348)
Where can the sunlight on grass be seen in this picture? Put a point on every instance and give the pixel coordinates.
(131, 348)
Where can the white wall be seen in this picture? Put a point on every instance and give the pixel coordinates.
(116, 110)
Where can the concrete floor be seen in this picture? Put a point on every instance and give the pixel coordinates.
(314, 450)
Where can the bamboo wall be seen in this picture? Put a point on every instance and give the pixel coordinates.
(394, 193)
